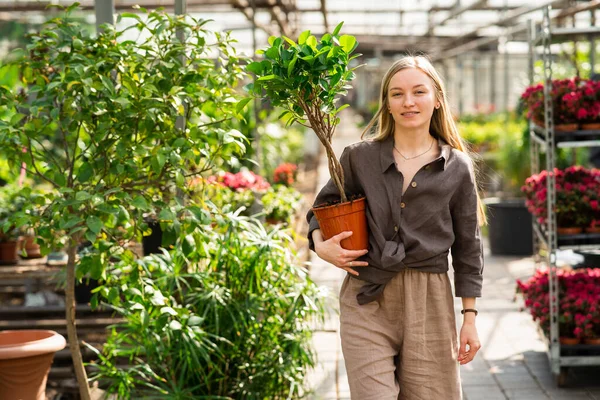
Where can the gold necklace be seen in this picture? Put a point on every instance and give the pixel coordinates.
(418, 155)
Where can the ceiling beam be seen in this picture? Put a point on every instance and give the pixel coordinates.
(324, 11)
(245, 8)
(518, 29)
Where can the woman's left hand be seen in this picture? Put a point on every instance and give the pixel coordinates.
(469, 343)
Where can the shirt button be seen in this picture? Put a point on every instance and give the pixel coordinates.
(402, 205)
(414, 184)
(427, 167)
(396, 228)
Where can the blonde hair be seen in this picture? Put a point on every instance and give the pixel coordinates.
(442, 123)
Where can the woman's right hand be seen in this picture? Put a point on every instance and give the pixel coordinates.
(331, 251)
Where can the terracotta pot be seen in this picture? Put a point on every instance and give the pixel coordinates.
(31, 247)
(595, 229)
(591, 126)
(25, 359)
(9, 252)
(594, 341)
(350, 216)
(568, 230)
(565, 127)
(569, 340)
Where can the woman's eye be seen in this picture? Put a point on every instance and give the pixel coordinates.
(420, 91)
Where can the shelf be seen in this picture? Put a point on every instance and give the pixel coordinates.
(581, 241)
(571, 139)
(567, 34)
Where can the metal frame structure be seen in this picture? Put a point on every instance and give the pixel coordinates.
(545, 140)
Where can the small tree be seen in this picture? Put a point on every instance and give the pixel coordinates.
(96, 119)
(306, 79)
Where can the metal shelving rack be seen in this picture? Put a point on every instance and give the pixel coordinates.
(546, 140)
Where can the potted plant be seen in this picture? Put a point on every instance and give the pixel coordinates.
(306, 79)
(130, 119)
(285, 174)
(572, 207)
(589, 111)
(9, 234)
(280, 204)
(507, 162)
(566, 102)
(579, 296)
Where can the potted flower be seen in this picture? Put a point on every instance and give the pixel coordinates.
(589, 113)
(9, 234)
(572, 207)
(579, 296)
(285, 174)
(566, 103)
(306, 79)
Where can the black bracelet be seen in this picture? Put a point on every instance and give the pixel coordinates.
(466, 310)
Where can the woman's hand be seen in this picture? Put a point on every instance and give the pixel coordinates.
(469, 343)
(331, 251)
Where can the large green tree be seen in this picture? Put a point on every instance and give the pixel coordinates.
(96, 118)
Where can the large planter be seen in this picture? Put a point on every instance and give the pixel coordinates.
(350, 216)
(25, 360)
(509, 227)
(9, 253)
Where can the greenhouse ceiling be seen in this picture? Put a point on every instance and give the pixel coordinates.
(441, 28)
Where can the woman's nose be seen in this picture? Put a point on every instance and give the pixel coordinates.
(408, 100)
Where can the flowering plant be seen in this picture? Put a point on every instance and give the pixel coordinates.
(579, 294)
(240, 181)
(573, 100)
(574, 188)
(589, 110)
(285, 174)
(533, 98)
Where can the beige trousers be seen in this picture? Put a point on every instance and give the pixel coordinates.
(403, 346)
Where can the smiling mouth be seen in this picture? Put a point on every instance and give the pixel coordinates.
(410, 113)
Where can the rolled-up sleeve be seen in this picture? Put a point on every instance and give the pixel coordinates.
(330, 194)
(467, 249)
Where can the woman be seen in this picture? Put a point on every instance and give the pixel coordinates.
(397, 320)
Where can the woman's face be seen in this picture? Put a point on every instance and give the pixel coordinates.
(411, 98)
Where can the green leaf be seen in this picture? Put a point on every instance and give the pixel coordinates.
(91, 236)
(348, 43)
(255, 67)
(271, 40)
(267, 78)
(194, 320)
(140, 202)
(94, 224)
(168, 310)
(166, 215)
(303, 36)
(290, 41)
(85, 172)
(175, 325)
(16, 118)
(312, 42)
(241, 104)
(337, 29)
(291, 65)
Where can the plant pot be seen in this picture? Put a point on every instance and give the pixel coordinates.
(593, 341)
(593, 126)
(31, 247)
(569, 230)
(595, 229)
(349, 216)
(9, 252)
(569, 340)
(25, 359)
(509, 227)
(565, 127)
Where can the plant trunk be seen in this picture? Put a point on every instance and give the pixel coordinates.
(84, 389)
(336, 171)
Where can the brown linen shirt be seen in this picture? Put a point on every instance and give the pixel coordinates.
(417, 229)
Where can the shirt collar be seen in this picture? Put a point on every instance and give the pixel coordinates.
(387, 152)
